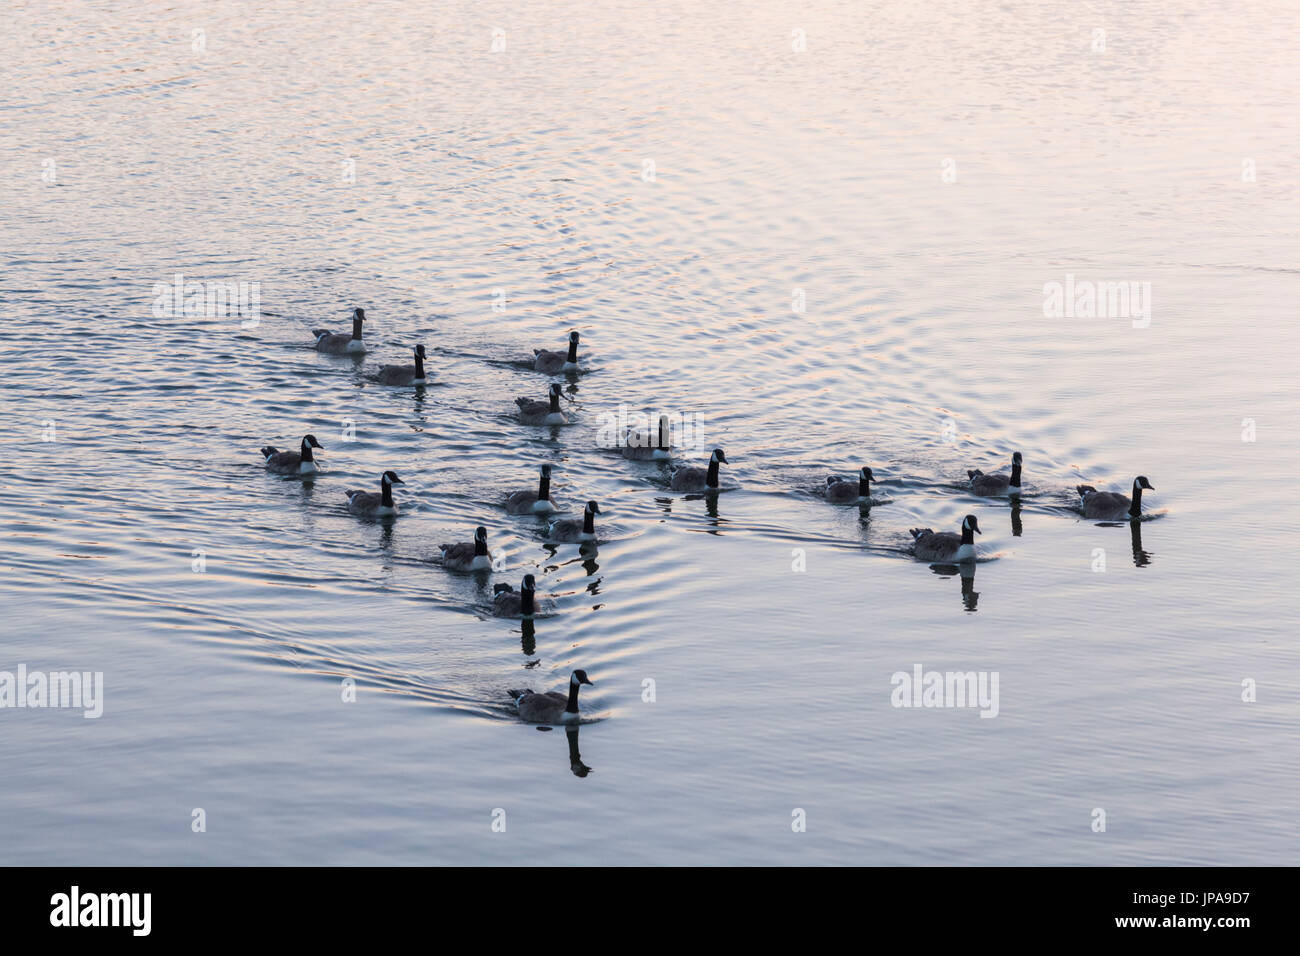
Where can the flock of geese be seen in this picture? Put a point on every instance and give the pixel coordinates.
(939, 547)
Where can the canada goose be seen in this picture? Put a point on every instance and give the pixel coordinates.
(553, 707)
(511, 603)
(699, 479)
(533, 412)
(945, 545)
(404, 374)
(293, 462)
(996, 485)
(642, 446)
(841, 492)
(371, 505)
(468, 555)
(340, 343)
(528, 502)
(553, 363)
(1110, 505)
(574, 529)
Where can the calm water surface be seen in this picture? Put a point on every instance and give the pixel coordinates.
(485, 203)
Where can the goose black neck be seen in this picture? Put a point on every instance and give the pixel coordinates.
(419, 365)
(1135, 509)
(864, 487)
(573, 352)
(306, 451)
(480, 547)
(544, 488)
(526, 602)
(967, 534)
(588, 522)
(1015, 475)
(665, 434)
(712, 478)
(555, 401)
(356, 329)
(388, 494)
(572, 706)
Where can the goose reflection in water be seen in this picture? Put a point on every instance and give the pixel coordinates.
(576, 765)
(1017, 527)
(1141, 558)
(969, 596)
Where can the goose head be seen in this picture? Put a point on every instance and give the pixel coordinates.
(390, 478)
(419, 351)
(555, 390)
(359, 315)
(529, 583)
(719, 455)
(546, 471)
(579, 677)
(480, 534)
(866, 475)
(1016, 459)
(971, 523)
(592, 508)
(309, 441)
(1141, 482)
(573, 337)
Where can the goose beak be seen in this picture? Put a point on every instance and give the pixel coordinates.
(583, 680)
(397, 481)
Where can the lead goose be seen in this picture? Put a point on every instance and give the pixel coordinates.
(468, 555)
(511, 603)
(997, 485)
(642, 446)
(553, 363)
(368, 504)
(528, 502)
(340, 343)
(551, 708)
(293, 462)
(404, 374)
(841, 492)
(1110, 505)
(699, 479)
(532, 412)
(574, 529)
(945, 545)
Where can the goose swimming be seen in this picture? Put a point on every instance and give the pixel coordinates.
(699, 479)
(642, 446)
(404, 374)
(945, 545)
(532, 412)
(368, 504)
(468, 555)
(553, 707)
(293, 462)
(1112, 506)
(529, 502)
(511, 603)
(340, 343)
(841, 492)
(997, 485)
(576, 529)
(553, 363)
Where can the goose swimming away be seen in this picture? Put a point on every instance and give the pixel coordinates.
(532, 412)
(642, 446)
(1112, 506)
(368, 504)
(841, 492)
(293, 462)
(699, 479)
(340, 343)
(511, 603)
(553, 363)
(576, 529)
(528, 502)
(945, 545)
(551, 708)
(468, 555)
(404, 374)
(997, 485)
